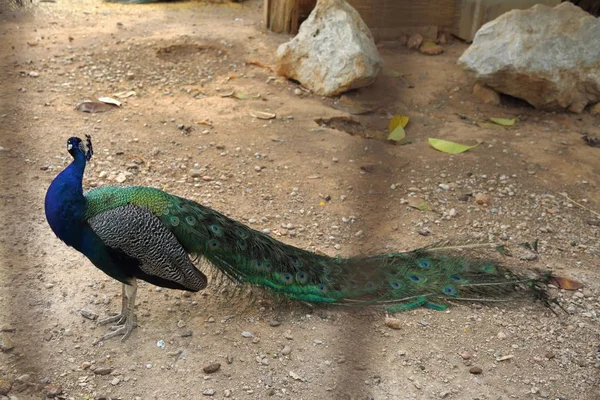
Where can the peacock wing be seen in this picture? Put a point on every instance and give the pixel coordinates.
(140, 235)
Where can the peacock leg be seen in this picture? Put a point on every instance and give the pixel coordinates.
(119, 318)
(126, 320)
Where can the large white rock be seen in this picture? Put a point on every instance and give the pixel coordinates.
(333, 52)
(549, 57)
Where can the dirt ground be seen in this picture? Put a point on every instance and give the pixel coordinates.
(310, 185)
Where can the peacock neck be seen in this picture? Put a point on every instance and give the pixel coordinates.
(65, 202)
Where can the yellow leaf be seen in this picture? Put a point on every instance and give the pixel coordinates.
(428, 43)
(391, 73)
(396, 127)
(398, 120)
(244, 96)
(322, 204)
(397, 134)
(489, 125)
(419, 204)
(503, 121)
(449, 147)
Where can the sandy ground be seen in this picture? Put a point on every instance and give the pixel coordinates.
(180, 60)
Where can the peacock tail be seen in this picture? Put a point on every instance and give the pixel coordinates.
(424, 277)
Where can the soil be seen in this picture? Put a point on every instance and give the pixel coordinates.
(309, 184)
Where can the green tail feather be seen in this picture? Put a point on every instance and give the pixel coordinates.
(423, 277)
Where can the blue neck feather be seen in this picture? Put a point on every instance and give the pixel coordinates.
(65, 203)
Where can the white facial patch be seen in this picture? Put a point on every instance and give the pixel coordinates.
(69, 146)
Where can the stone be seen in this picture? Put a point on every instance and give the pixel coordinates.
(486, 95)
(393, 323)
(414, 41)
(212, 368)
(5, 387)
(333, 52)
(475, 370)
(595, 109)
(431, 49)
(546, 56)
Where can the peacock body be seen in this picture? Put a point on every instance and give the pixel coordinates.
(145, 233)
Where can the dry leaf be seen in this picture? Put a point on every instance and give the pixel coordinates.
(110, 100)
(490, 125)
(566, 283)
(262, 115)
(419, 204)
(504, 121)
(245, 96)
(94, 107)
(396, 127)
(449, 147)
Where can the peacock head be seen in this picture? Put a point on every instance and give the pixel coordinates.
(76, 146)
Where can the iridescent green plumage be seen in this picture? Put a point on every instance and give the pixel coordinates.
(143, 233)
(422, 277)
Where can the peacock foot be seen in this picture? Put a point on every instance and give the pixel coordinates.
(119, 319)
(124, 327)
(125, 321)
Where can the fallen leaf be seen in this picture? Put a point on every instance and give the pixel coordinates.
(245, 96)
(419, 204)
(429, 43)
(110, 100)
(490, 125)
(391, 73)
(262, 115)
(94, 107)
(125, 94)
(396, 127)
(503, 121)
(565, 283)
(449, 147)
(204, 122)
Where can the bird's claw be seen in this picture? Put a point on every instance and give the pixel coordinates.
(119, 319)
(121, 329)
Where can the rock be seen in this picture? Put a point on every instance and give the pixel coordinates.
(196, 173)
(336, 30)
(475, 370)
(212, 368)
(486, 95)
(286, 350)
(431, 49)
(393, 323)
(546, 56)
(595, 109)
(414, 41)
(209, 392)
(52, 391)
(6, 343)
(115, 381)
(121, 177)
(5, 387)
(247, 334)
(482, 199)
(88, 314)
(103, 371)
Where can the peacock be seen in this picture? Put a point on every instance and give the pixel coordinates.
(137, 232)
